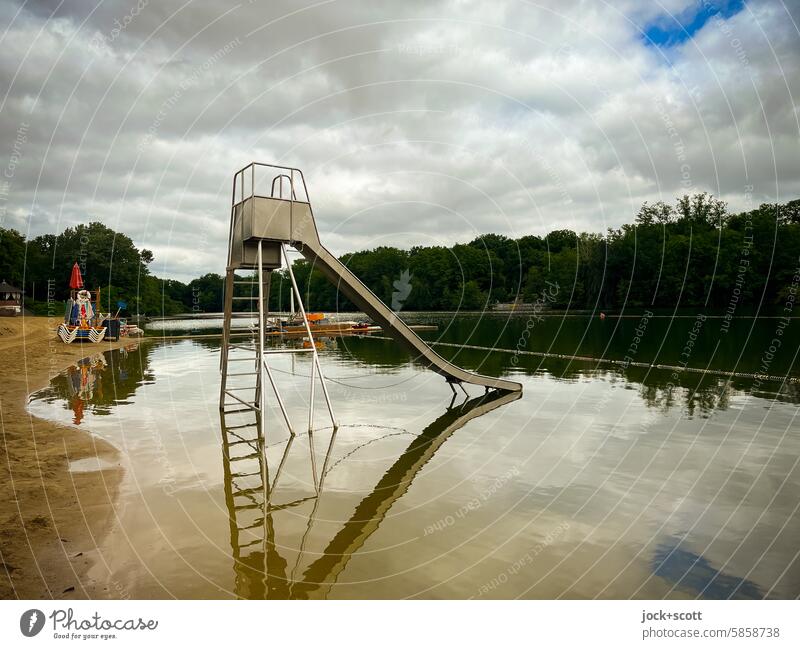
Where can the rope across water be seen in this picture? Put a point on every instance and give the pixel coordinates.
(609, 361)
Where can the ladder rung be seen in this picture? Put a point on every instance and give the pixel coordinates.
(250, 407)
(249, 358)
(247, 545)
(240, 440)
(243, 403)
(294, 503)
(251, 444)
(244, 475)
(243, 374)
(246, 403)
(249, 387)
(245, 297)
(251, 456)
(251, 490)
(241, 281)
(250, 497)
(244, 347)
(241, 426)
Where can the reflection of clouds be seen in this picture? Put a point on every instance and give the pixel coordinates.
(627, 478)
(703, 478)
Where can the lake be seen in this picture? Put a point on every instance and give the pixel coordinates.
(601, 481)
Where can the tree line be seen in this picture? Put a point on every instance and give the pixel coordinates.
(690, 254)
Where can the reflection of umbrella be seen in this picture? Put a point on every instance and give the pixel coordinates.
(77, 409)
(75, 280)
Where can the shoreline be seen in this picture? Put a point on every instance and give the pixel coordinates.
(51, 521)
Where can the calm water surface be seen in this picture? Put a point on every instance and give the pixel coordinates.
(597, 482)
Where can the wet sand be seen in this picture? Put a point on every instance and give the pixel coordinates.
(51, 520)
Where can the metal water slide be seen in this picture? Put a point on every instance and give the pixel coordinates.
(271, 209)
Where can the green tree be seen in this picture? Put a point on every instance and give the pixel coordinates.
(12, 257)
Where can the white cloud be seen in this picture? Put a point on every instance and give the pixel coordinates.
(414, 122)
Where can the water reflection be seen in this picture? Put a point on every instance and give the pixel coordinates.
(661, 389)
(96, 383)
(694, 574)
(669, 488)
(261, 571)
(664, 390)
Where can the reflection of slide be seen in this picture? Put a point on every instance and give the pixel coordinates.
(368, 515)
(357, 292)
(263, 573)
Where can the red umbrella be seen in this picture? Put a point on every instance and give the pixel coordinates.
(75, 280)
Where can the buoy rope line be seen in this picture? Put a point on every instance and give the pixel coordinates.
(610, 361)
(397, 431)
(334, 379)
(367, 443)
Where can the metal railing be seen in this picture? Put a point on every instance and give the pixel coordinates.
(250, 179)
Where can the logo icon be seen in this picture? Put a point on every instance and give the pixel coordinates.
(31, 622)
(402, 289)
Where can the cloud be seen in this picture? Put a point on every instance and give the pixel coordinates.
(416, 122)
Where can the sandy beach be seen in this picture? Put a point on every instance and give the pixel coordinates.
(51, 520)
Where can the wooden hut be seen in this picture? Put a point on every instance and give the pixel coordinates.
(10, 299)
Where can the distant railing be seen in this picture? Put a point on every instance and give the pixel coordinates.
(259, 179)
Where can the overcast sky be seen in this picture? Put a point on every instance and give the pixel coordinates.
(414, 122)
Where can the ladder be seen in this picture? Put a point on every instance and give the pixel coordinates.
(260, 570)
(244, 366)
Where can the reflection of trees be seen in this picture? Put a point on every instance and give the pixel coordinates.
(98, 382)
(696, 393)
(703, 394)
(386, 354)
(790, 392)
